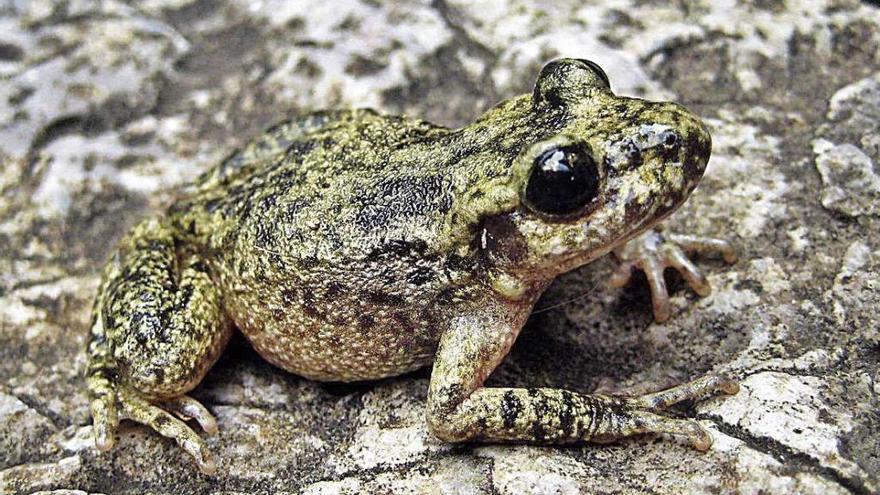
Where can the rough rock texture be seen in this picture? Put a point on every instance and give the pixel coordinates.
(107, 106)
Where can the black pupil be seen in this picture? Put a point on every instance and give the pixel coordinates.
(563, 180)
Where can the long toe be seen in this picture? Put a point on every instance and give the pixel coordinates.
(188, 408)
(704, 245)
(696, 389)
(166, 424)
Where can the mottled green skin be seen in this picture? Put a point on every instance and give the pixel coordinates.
(347, 245)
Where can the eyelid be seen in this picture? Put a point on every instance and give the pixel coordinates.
(599, 72)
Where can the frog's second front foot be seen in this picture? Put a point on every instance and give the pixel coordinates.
(112, 402)
(653, 252)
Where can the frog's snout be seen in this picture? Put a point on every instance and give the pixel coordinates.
(667, 138)
(698, 148)
(655, 163)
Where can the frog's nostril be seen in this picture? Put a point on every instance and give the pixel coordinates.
(669, 145)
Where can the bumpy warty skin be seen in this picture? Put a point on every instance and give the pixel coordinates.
(342, 242)
(349, 245)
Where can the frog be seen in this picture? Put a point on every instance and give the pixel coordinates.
(351, 245)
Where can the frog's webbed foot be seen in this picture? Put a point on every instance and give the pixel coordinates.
(653, 252)
(165, 416)
(640, 414)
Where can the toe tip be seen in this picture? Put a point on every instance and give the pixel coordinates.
(208, 466)
(661, 314)
(210, 428)
(729, 387)
(206, 462)
(104, 440)
(703, 289)
(702, 441)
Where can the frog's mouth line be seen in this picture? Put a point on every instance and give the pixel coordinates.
(576, 259)
(656, 214)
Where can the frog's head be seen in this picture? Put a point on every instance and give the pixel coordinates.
(613, 167)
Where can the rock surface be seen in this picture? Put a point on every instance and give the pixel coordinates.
(107, 106)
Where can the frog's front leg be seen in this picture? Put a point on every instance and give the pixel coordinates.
(157, 328)
(653, 252)
(461, 409)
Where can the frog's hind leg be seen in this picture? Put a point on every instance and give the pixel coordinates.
(157, 328)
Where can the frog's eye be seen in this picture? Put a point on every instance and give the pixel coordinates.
(564, 179)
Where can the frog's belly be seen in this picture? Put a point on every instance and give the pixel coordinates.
(365, 346)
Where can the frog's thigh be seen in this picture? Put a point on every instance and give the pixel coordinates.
(157, 330)
(461, 409)
(171, 354)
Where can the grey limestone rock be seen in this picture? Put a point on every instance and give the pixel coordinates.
(107, 106)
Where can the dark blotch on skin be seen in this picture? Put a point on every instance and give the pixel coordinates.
(159, 374)
(634, 158)
(634, 211)
(399, 198)
(542, 412)
(334, 290)
(398, 248)
(446, 296)
(278, 314)
(420, 275)
(288, 295)
(567, 415)
(199, 266)
(511, 408)
(459, 263)
(366, 321)
(383, 298)
(404, 323)
(697, 150)
(185, 293)
(503, 240)
(670, 145)
(308, 306)
(447, 400)
(161, 421)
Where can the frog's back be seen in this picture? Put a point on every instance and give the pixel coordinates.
(345, 180)
(320, 236)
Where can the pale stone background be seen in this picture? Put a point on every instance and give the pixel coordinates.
(107, 106)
